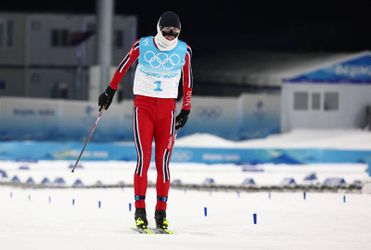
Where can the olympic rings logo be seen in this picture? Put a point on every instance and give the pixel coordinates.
(162, 60)
(210, 112)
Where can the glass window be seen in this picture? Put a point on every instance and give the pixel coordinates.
(1, 33)
(2, 84)
(64, 38)
(9, 33)
(331, 101)
(316, 101)
(55, 38)
(60, 38)
(300, 100)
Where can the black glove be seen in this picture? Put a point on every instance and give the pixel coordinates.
(181, 119)
(105, 99)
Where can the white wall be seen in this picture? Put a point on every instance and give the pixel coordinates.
(353, 100)
(249, 116)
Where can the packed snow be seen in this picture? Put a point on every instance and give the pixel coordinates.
(334, 139)
(48, 219)
(100, 218)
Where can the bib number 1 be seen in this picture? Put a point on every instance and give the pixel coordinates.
(157, 86)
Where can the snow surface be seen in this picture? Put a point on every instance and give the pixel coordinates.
(334, 139)
(285, 220)
(37, 219)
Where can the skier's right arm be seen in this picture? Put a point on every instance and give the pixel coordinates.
(105, 99)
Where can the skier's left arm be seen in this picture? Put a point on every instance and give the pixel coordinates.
(182, 118)
(105, 99)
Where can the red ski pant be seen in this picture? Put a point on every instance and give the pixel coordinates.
(153, 118)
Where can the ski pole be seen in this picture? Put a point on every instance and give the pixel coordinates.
(89, 137)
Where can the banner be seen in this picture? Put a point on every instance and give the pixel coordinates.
(355, 70)
(126, 152)
(249, 116)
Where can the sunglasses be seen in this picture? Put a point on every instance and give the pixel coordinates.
(170, 31)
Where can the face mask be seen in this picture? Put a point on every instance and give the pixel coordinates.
(161, 41)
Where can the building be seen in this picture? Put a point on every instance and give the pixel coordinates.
(332, 95)
(317, 90)
(232, 72)
(50, 55)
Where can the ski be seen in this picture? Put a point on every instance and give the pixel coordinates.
(143, 231)
(161, 231)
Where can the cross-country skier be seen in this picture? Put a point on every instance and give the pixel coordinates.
(163, 60)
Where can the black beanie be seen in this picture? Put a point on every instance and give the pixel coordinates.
(169, 19)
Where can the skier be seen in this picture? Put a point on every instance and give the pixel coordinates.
(163, 60)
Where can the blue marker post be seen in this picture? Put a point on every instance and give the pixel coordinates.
(129, 207)
(50, 199)
(344, 199)
(73, 202)
(255, 218)
(238, 194)
(304, 195)
(205, 211)
(99, 204)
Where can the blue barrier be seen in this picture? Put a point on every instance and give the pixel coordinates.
(78, 183)
(288, 181)
(126, 151)
(45, 181)
(30, 181)
(59, 181)
(3, 173)
(311, 177)
(15, 179)
(334, 182)
(208, 182)
(248, 182)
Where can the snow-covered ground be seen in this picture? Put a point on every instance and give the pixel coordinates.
(115, 172)
(334, 139)
(284, 221)
(47, 219)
